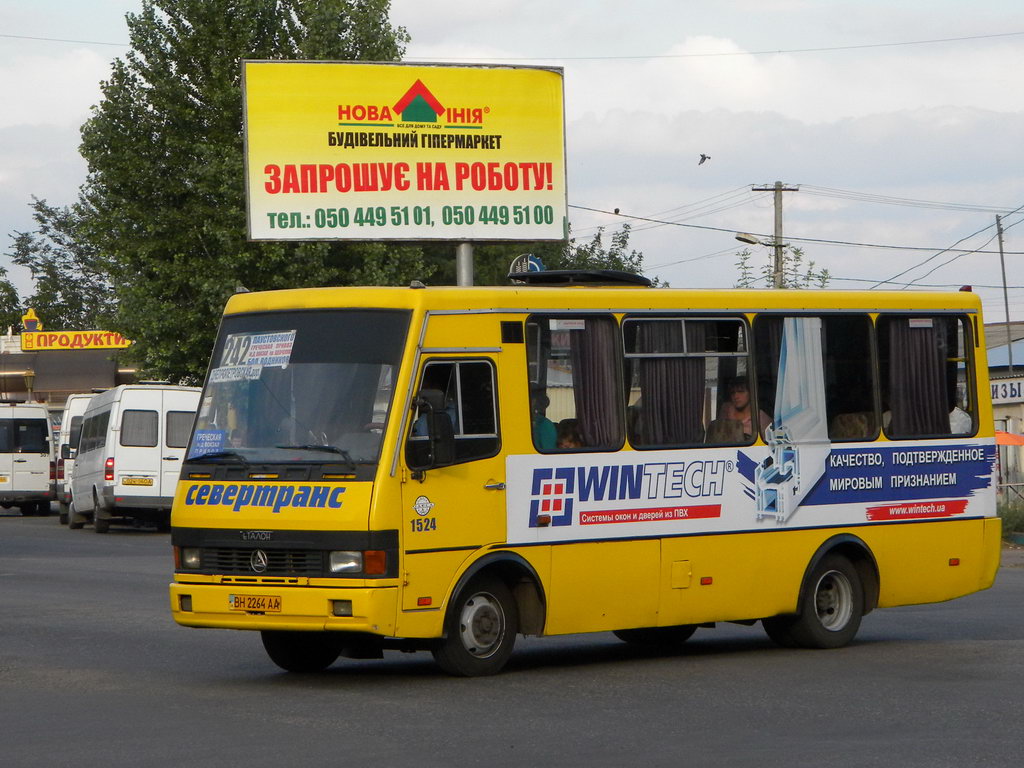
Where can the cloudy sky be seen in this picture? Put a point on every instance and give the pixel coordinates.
(902, 124)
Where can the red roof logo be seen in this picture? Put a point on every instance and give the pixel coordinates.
(419, 105)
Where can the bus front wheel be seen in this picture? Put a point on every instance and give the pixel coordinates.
(480, 630)
(830, 611)
(301, 651)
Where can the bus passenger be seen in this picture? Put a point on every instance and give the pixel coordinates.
(737, 407)
(569, 434)
(545, 436)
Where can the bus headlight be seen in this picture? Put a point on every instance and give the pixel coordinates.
(344, 561)
(190, 557)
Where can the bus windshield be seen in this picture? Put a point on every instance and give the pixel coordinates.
(307, 386)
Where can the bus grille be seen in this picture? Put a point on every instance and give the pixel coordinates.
(280, 562)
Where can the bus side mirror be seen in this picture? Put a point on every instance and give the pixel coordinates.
(435, 424)
(67, 452)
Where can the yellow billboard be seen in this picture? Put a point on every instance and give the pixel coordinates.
(353, 151)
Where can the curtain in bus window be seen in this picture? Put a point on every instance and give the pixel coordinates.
(917, 388)
(671, 389)
(595, 366)
(800, 393)
(768, 339)
(139, 428)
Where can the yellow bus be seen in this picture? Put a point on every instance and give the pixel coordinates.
(445, 468)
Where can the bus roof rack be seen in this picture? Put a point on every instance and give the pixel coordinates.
(579, 277)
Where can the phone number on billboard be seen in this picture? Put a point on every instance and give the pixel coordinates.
(405, 215)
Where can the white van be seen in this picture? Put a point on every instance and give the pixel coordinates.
(130, 454)
(67, 446)
(26, 457)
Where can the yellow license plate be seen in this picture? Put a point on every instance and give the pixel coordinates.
(3, 479)
(260, 603)
(137, 481)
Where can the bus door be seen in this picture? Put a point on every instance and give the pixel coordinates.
(179, 414)
(448, 512)
(31, 459)
(6, 454)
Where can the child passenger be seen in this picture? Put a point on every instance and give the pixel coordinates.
(569, 434)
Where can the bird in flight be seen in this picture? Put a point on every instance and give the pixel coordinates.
(703, 159)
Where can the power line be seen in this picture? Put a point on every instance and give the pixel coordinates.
(821, 49)
(815, 240)
(63, 40)
(942, 251)
(868, 197)
(977, 250)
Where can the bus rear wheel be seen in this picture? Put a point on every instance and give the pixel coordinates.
(657, 637)
(480, 630)
(830, 611)
(301, 651)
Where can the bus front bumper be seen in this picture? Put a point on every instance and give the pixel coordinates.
(370, 609)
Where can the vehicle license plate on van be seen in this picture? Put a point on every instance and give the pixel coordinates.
(3, 478)
(137, 481)
(264, 603)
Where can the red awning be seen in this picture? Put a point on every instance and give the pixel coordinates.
(1008, 438)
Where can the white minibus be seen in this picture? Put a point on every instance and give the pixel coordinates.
(26, 458)
(130, 454)
(67, 447)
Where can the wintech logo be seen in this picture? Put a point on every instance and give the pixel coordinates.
(559, 495)
(417, 105)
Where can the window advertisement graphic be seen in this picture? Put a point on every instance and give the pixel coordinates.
(353, 151)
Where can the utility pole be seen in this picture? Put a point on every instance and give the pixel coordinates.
(778, 188)
(1006, 301)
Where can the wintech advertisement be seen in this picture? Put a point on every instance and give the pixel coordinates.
(346, 150)
(715, 490)
(798, 479)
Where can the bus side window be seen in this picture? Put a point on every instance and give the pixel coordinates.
(471, 404)
(849, 377)
(924, 362)
(574, 365)
(690, 382)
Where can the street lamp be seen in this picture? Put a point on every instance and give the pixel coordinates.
(777, 274)
(30, 379)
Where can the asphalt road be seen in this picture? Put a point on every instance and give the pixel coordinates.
(93, 672)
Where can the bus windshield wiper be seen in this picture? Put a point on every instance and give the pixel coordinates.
(221, 455)
(323, 449)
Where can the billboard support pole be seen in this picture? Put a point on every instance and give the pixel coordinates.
(464, 264)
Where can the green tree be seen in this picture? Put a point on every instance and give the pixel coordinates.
(10, 304)
(71, 289)
(491, 262)
(795, 273)
(165, 190)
